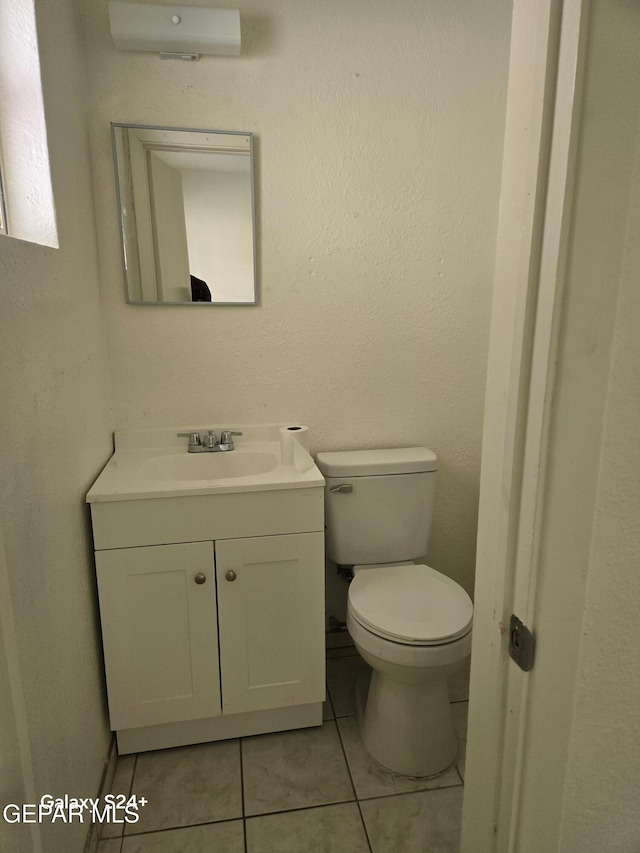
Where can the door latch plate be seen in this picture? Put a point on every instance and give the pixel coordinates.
(521, 644)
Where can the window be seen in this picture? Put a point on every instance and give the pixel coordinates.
(27, 199)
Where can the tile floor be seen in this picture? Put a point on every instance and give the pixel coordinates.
(292, 792)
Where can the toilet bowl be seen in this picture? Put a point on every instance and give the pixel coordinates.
(412, 625)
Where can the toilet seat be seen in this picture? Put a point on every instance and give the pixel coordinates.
(412, 604)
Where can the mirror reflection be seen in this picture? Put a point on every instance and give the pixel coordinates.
(187, 215)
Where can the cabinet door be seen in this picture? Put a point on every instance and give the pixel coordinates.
(271, 616)
(159, 632)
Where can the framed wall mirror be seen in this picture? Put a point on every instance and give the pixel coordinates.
(187, 215)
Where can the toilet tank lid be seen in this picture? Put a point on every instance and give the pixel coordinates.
(372, 463)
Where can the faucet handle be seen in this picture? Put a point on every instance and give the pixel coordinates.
(194, 438)
(226, 439)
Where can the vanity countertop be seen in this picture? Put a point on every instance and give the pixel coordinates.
(155, 463)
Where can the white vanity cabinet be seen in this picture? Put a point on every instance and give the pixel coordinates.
(159, 633)
(218, 637)
(268, 593)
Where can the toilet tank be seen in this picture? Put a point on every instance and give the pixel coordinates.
(378, 503)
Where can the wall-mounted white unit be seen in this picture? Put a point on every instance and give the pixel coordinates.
(183, 32)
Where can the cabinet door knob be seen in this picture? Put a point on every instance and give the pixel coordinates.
(231, 575)
(200, 578)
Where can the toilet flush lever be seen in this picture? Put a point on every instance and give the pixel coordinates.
(343, 488)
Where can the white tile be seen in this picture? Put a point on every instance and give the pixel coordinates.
(328, 829)
(188, 785)
(226, 837)
(370, 779)
(292, 770)
(423, 822)
(112, 845)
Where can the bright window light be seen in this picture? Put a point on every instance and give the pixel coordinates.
(28, 207)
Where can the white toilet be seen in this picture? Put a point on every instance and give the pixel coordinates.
(410, 623)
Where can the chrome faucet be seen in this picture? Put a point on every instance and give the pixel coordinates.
(209, 443)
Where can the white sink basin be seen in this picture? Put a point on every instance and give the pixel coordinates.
(155, 464)
(224, 465)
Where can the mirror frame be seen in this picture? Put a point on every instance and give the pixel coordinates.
(125, 229)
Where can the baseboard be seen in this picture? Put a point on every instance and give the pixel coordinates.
(338, 639)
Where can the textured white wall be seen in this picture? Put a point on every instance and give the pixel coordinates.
(603, 778)
(56, 435)
(379, 130)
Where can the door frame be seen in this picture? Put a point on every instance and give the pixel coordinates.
(543, 103)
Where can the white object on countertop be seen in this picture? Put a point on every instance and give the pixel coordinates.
(289, 437)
